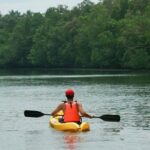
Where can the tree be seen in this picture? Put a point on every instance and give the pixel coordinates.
(138, 6)
(109, 34)
(136, 59)
(136, 34)
(20, 42)
(116, 8)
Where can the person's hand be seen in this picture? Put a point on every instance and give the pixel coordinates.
(91, 117)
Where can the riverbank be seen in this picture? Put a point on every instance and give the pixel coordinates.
(38, 71)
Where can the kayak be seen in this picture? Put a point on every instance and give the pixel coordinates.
(69, 126)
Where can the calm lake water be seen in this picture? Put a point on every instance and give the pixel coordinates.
(124, 93)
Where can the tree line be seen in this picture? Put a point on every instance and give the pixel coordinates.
(109, 34)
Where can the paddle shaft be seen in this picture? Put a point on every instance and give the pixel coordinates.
(47, 114)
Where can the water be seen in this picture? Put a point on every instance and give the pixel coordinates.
(123, 93)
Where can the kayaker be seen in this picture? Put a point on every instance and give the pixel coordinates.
(71, 108)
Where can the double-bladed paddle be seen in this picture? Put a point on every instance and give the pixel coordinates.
(33, 113)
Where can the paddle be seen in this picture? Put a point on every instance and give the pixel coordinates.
(112, 118)
(33, 113)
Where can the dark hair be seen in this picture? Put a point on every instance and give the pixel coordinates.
(69, 96)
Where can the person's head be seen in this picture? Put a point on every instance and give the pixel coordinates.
(69, 94)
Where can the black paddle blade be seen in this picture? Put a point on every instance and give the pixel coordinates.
(32, 113)
(113, 118)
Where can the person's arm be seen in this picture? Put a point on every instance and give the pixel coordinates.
(57, 109)
(82, 112)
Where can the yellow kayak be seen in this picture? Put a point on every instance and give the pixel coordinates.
(69, 126)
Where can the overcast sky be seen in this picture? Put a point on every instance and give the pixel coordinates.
(35, 5)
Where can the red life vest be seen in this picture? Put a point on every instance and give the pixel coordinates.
(71, 113)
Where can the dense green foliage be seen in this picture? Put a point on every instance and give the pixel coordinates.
(110, 34)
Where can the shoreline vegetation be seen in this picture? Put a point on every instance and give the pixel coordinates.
(110, 35)
(69, 71)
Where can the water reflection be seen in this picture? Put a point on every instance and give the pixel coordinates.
(71, 140)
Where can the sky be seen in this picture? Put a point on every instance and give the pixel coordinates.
(35, 5)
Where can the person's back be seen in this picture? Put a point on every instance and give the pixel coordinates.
(71, 112)
(72, 109)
